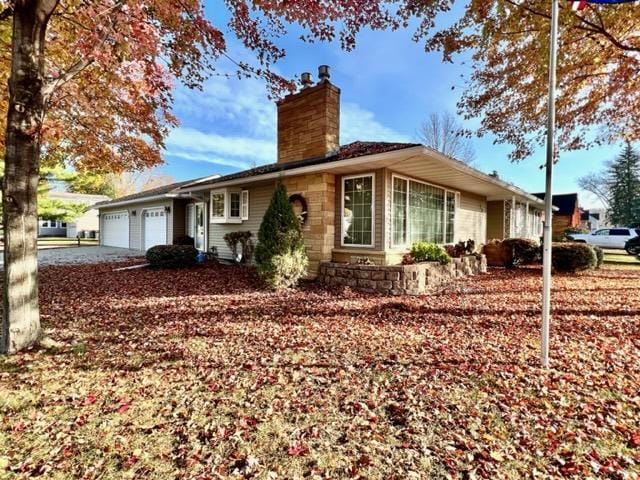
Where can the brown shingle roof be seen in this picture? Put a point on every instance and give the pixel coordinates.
(351, 150)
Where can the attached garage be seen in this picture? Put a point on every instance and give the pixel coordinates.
(154, 227)
(115, 229)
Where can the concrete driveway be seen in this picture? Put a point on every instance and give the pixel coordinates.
(93, 254)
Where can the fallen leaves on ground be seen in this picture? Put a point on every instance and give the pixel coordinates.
(199, 373)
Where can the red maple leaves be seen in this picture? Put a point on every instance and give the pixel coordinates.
(229, 378)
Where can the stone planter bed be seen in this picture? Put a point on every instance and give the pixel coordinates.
(400, 279)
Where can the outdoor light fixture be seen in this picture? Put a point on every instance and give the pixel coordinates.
(167, 209)
(576, 5)
(133, 213)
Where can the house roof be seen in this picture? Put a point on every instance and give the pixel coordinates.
(351, 150)
(407, 158)
(153, 192)
(566, 202)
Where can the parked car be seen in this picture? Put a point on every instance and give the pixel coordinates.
(633, 246)
(606, 237)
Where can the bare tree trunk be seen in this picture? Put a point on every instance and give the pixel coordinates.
(21, 320)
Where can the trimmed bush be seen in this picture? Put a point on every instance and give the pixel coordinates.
(246, 245)
(599, 255)
(172, 256)
(520, 251)
(573, 257)
(184, 240)
(429, 252)
(495, 253)
(284, 271)
(280, 254)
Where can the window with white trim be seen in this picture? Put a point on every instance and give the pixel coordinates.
(421, 212)
(358, 193)
(229, 206)
(217, 205)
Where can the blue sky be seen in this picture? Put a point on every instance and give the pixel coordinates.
(389, 86)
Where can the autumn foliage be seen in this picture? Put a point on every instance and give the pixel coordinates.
(200, 373)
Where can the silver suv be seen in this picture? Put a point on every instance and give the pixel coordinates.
(606, 237)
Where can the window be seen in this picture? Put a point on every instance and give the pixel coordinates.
(451, 217)
(420, 211)
(399, 211)
(63, 224)
(217, 205)
(357, 210)
(229, 206)
(234, 204)
(602, 232)
(620, 232)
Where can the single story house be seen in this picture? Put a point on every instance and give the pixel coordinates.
(365, 199)
(87, 222)
(567, 214)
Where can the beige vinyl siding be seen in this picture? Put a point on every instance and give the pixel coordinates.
(471, 218)
(495, 219)
(135, 221)
(379, 229)
(259, 198)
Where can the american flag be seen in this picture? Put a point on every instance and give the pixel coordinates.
(577, 4)
(580, 4)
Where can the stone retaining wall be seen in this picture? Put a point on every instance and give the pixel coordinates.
(400, 279)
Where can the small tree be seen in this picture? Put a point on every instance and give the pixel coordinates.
(280, 255)
(624, 188)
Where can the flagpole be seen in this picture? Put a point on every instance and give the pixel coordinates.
(548, 195)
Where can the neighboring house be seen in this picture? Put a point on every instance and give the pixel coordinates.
(567, 215)
(365, 199)
(88, 222)
(589, 220)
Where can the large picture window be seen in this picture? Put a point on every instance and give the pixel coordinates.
(421, 212)
(217, 205)
(357, 210)
(229, 206)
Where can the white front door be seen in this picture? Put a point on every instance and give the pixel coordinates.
(115, 229)
(155, 227)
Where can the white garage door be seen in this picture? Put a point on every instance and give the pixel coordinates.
(115, 229)
(155, 227)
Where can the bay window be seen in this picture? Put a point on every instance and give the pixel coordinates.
(358, 210)
(421, 212)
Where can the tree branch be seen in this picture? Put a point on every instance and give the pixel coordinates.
(6, 13)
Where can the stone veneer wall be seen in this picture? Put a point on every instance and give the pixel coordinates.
(318, 232)
(400, 279)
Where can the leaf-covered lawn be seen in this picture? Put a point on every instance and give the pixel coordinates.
(200, 374)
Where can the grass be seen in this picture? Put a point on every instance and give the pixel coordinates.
(620, 257)
(200, 373)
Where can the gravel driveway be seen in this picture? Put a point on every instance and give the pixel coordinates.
(93, 254)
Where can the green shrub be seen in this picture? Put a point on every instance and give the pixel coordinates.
(571, 230)
(429, 252)
(184, 240)
(284, 271)
(280, 255)
(232, 239)
(599, 255)
(520, 251)
(172, 256)
(573, 257)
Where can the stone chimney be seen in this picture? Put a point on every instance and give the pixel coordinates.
(309, 120)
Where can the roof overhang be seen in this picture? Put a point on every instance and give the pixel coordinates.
(418, 162)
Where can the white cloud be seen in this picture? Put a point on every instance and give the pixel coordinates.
(232, 123)
(236, 151)
(357, 123)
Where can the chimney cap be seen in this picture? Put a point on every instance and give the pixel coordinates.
(305, 80)
(324, 73)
